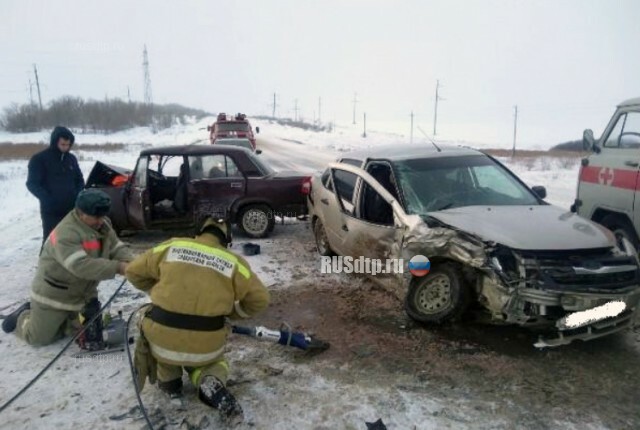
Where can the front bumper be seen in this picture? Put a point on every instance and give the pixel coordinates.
(592, 331)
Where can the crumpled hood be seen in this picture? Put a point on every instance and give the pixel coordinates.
(532, 228)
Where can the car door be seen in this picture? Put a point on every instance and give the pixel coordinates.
(138, 199)
(215, 182)
(372, 230)
(338, 206)
(356, 228)
(611, 176)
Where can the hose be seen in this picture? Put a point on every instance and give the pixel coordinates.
(132, 367)
(64, 348)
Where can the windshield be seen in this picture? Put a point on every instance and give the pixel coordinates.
(434, 184)
(233, 126)
(264, 168)
(243, 143)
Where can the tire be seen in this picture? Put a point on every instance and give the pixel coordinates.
(322, 243)
(256, 221)
(621, 227)
(439, 296)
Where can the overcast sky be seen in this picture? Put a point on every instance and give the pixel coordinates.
(564, 63)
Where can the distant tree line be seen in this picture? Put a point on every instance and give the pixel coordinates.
(96, 116)
(573, 145)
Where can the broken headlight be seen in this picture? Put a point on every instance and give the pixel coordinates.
(627, 248)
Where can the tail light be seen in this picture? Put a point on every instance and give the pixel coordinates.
(306, 186)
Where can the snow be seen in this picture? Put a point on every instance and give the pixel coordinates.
(85, 393)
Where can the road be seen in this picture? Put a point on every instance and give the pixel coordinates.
(380, 365)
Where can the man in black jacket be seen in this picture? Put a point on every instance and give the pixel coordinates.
(55, 179)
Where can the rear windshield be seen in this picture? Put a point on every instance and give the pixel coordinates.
(233, 126)
(264, 168)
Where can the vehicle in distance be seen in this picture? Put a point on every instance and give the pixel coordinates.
(230, 126)
(240, 142)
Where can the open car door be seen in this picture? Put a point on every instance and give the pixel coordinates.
(112, 180)
(138, 199)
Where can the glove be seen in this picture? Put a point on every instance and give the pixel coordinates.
(144, 363)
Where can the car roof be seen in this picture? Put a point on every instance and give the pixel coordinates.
(630, 102)
(406, 151)
(194, 150)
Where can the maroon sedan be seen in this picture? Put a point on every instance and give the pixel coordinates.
(176, 186)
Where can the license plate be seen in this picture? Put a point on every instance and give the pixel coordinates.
(590, 316)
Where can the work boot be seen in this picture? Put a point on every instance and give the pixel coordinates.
(11, 321)
(212, 392)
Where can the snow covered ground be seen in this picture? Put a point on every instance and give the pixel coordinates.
(279, 388)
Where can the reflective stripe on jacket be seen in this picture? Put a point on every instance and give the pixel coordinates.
(195, 277)
(74, 259)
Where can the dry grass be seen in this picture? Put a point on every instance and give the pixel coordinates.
(24, 151)
(521, 154)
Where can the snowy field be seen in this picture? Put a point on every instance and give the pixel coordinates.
(279, 389)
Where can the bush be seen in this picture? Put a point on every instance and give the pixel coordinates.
(106, 116)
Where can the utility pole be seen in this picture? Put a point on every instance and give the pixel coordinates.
(319, 109)
(411, 136)
(364, 133)
(295, 109)
(273, 107)
(31, 92)
(128, 93)
(35, 70)
(435, 111)
(148, 99)
(355, 101)
(515, 128)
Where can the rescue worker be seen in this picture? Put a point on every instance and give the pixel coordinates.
(193, 283)
(80, 252)
(55, 179)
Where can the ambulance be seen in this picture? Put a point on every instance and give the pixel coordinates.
(608, 186)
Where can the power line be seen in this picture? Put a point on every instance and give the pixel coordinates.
(411, 136)
(35, 70)
(273, 106)
(515, 127)
(355, 101)
(148, 99)
(435, 110)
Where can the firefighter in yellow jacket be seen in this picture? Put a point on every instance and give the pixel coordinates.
(194, 283)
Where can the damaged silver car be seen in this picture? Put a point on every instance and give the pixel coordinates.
(494, 244)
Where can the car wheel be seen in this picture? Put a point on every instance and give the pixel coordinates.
(439, 296)
(256, 220)
(322, 243)
(620, 227)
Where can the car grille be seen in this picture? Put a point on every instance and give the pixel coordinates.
(589, 271)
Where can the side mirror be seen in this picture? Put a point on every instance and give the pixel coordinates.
(540, 191)
(258, 151)
(258, 130)
(588, 141)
